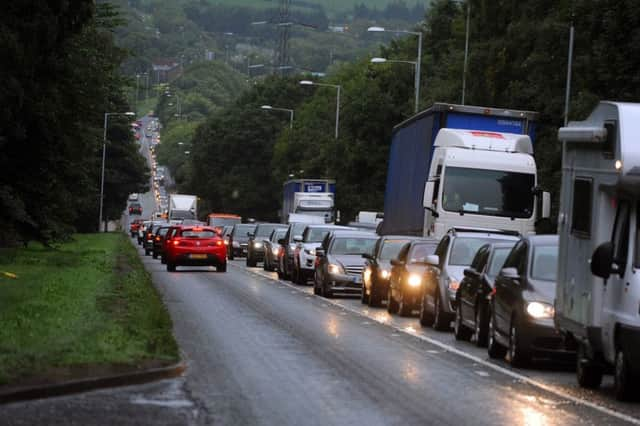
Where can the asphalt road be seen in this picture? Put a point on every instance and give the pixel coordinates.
(260, 351)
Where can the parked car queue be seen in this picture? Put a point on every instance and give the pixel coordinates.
(493, 288)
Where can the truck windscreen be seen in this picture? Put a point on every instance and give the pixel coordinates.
(488, 192)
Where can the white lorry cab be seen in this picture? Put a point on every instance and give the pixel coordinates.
(598, 291)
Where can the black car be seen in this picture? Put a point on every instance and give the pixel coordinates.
(377, 268)
(255, 248)
(340, 262)
(158, 241)
(404, 292)
(239, 239)
(521, 318)
(474, 293)
(149, 237)
(272, 249)
(288, 247)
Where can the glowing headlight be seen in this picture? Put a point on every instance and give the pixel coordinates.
(414, 280)
(257, 245)
(335, 269)
(540, 310)
(384, 274)
(367, 275)
(311, 252)
(292, 246)
(453, 284)
(275, 251)
(235, 244)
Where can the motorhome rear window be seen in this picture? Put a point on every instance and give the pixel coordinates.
(581, 209)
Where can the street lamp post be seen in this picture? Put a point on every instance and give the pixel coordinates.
(335, 86)
(290, 111)
(415, 65)
(418, 61)
(104, 154)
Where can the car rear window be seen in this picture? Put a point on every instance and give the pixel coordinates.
(464, 250)
(190, 233)
(353, 245)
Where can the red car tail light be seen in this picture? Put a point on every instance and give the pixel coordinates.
(175, 242)
(158, 238)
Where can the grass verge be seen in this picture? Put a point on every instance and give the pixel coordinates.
(83, 308)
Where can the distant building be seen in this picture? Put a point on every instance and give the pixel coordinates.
(165, 70)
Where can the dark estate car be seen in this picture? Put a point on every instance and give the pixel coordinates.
(255, 248)
(404, 292)
(377, 270)
(150, 235)
(239, 240)
(158, 241)
(272, 249)
(287, 249)
(521, 319)
(475, 292)
(340, 262)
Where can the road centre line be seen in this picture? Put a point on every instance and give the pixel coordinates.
(485, 363)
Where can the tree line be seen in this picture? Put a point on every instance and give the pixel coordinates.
(60, 74)
(518, 59)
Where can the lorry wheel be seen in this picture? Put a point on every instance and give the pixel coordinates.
(625, 388)
(426, 318)
(518, 355)
(440, 321)
(588, 372)
(495, 349)
(392, 305)
(461, 331)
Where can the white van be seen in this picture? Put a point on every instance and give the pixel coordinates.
(598, 291)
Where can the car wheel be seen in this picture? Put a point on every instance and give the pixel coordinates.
(625, 385)
(326, 292)
(518, 355)
(374, 296)
(481, 326)
(494, 349)
(404, 309)
(251, 263)
(588, 372)
(163, 260)
(364, 299)
(440, 320)
(299, 277)
(459, 329)
(231, 254)
(222, 268)
(155, 254)
(171, 267)
(280, 274)
(426, 317)
(392, 305)
(147, 252)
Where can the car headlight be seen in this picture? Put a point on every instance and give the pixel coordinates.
(257, 245)
(367, 275)
(453, 284)
(335, 269)
(384, 274)
(414, 280)
(540, 310)
(292, 246)
(275, 251)
(235, 244)
(311, 252)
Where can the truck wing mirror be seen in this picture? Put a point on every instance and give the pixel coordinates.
(602, 261)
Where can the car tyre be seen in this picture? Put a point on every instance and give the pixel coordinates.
(171, 267)
(494, 349)
(392, 305)
(440, 320)
(163, 260)
(461, 331)
(404, 309)
(374, 298)
(588, 372)
(154, 255)
(481, 331)
(518, 355)
(625, 386)
(222, 267)
(251, 263)
(364, 298)
(426, 318)
(326, 292)
(147, 252)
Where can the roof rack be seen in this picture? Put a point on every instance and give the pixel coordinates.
(457, 229)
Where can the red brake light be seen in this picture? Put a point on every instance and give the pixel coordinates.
(157, 238)
(176, 242)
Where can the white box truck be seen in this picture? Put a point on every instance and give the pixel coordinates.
(315, 197)
(598, 291)
(182, 207)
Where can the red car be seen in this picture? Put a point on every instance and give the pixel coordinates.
(196, 246)
(135, 208)
(134, 227)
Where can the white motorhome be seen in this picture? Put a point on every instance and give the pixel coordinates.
(482, 179)
(598, 291)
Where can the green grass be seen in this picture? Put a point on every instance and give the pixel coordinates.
(146, 105)
(88, 302)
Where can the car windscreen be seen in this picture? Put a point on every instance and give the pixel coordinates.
(192, 233)
(263, 231)
(353, 245)
(499, 256)
(544, 263)
(279, 234)
(488, 192)
(297, 229)
(391, 248)
(241, 230)
(464, 249)
(315, 235)
(419, 253)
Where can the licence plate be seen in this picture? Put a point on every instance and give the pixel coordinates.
(197, 256)
(357, 279)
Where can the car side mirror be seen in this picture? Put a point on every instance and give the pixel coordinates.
(367, 256)
(602, 261)
(282, 241)
(319, 252)
(471, 273)
(397, 262)
(511, 273)
(297, 239)
(433, 260)
(250, 234)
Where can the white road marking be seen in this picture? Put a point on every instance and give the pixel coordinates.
(481, 373)
(519, 377)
